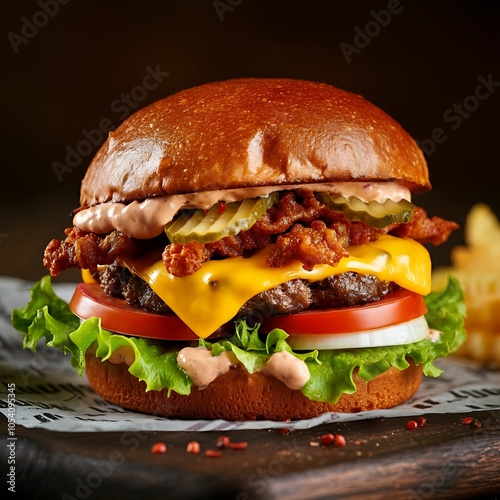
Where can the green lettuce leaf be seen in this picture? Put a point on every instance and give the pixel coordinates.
(251, 351)
(446, 312)
(46, 315)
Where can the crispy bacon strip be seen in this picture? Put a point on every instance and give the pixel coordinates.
(310, 245)
(305, 230)
(183, 260)
(319, 244)
(88, 250)
(423, 229)
(301, 226)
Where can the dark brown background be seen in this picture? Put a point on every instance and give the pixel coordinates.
(67, 77)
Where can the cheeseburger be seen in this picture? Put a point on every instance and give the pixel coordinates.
(250, 249)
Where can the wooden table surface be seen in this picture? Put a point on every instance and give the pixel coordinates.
(382, 459)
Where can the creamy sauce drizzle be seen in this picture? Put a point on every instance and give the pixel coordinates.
(146, 219)
(200, 366)
(292, 371)
(203, 368)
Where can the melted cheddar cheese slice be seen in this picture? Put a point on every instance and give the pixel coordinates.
(214, 294)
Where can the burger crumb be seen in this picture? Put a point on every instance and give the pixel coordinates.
(159, 447)
(193, 447)
(472, 422)
(223, 442)
(238, 446)
(327, 439)
(314, 443)
(422, 421)
(339, 441)
(213, 453)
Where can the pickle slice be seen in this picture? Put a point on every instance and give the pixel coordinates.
(373, 213)
(223, 219)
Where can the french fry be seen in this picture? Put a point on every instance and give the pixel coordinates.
(477, 266)
(482, 228)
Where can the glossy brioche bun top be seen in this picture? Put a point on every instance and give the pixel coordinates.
(251, 132)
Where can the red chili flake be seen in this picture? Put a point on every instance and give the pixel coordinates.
(213, 453)
(222, 442)
(284, 431)
(288, 419)
(193, 447)
(339, 441)
(422, 421)
(159, 448)
(221, 208)
(467, 420)
(411, 425)
(476, 423)
(327, 438)
(205, 210)
(238, 446)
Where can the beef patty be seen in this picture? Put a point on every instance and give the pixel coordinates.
(343, 290)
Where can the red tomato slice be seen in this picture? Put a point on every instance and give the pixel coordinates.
(398, 307)
(117, 315)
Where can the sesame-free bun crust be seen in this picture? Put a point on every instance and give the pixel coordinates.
(237, 395)
(251, 132)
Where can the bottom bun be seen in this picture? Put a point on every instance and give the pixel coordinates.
(237, 395)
